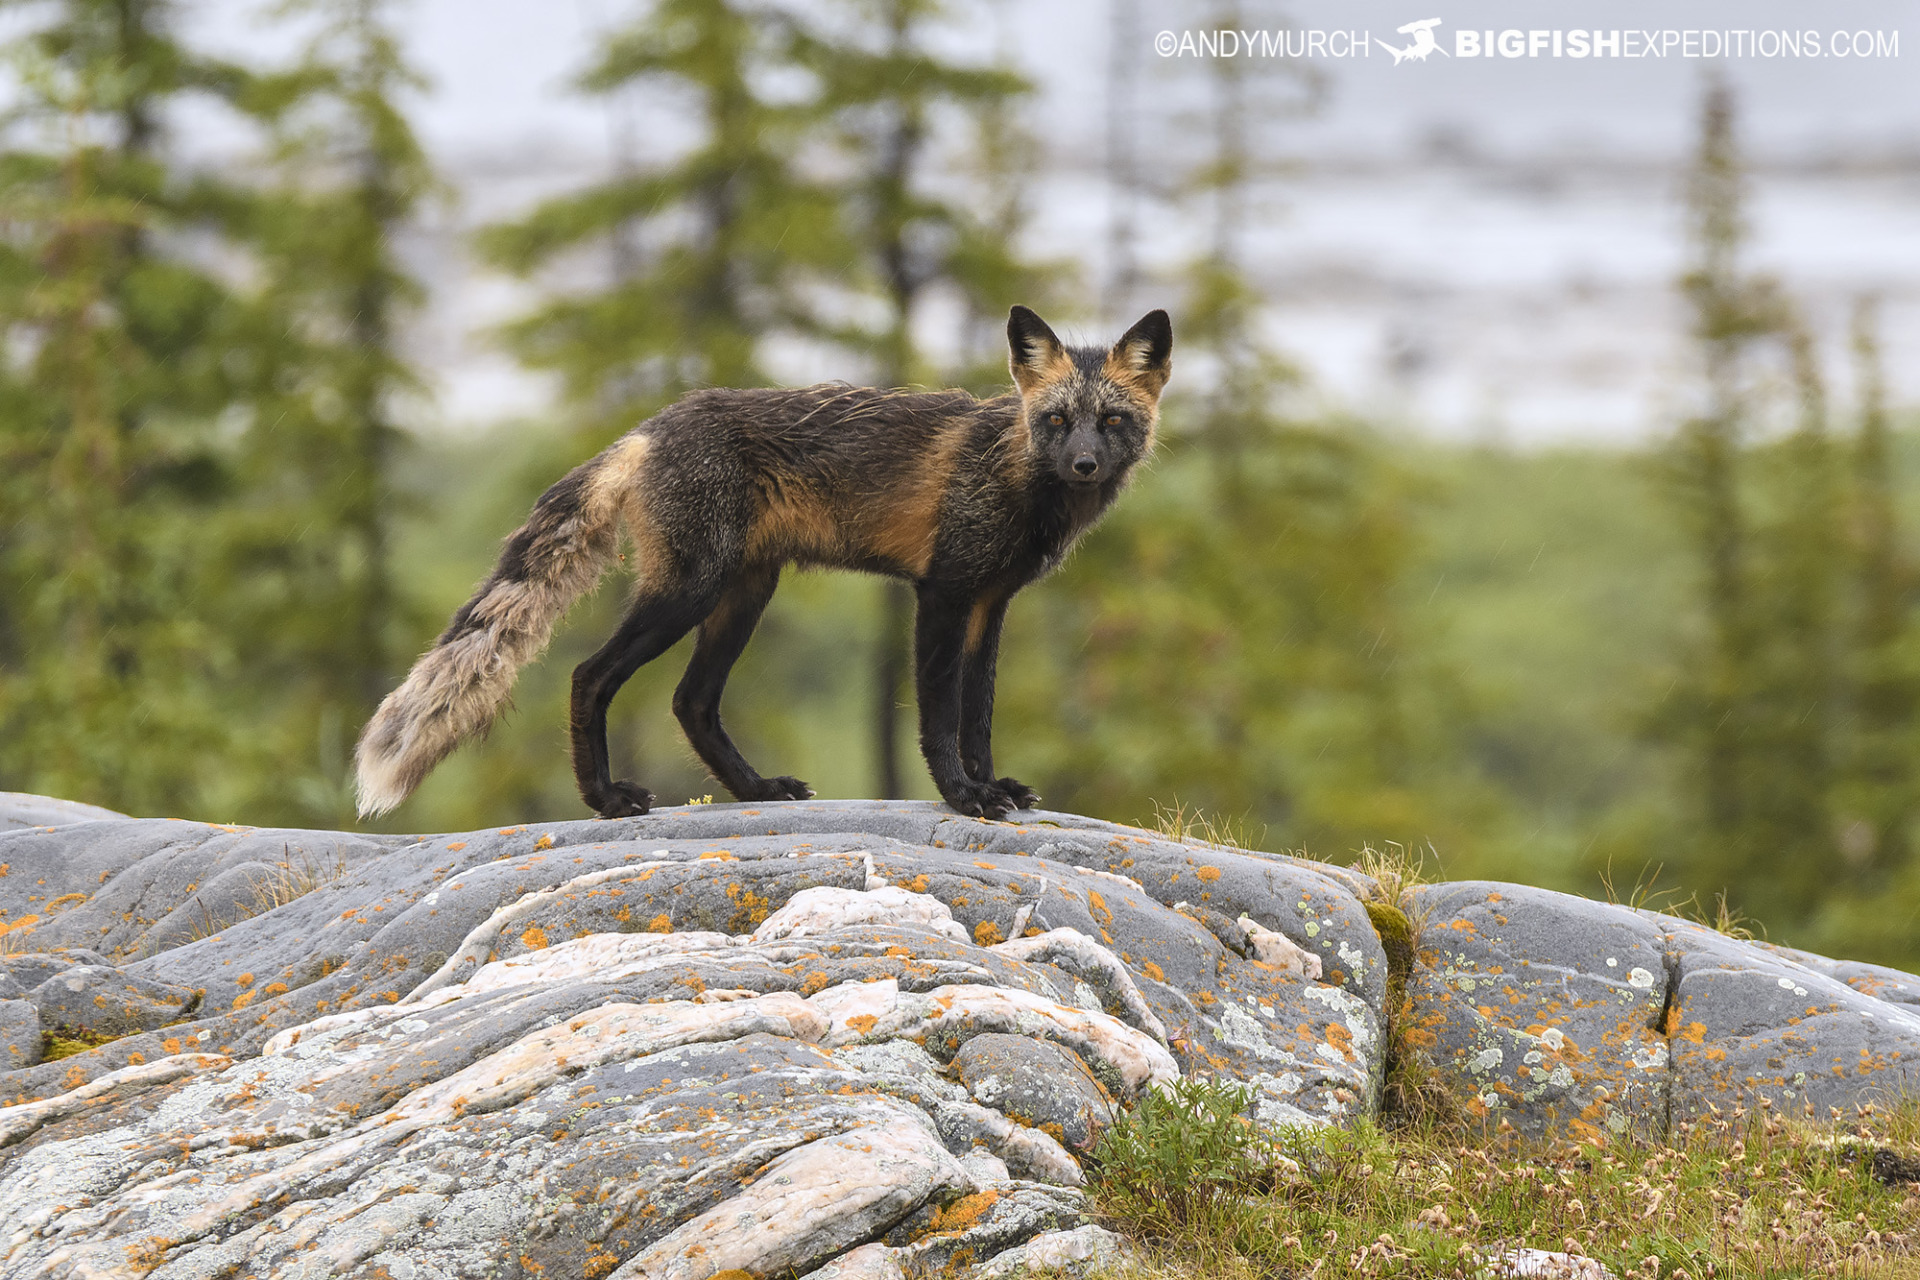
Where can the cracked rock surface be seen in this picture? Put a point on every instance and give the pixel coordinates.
(833, 1039)
(1571, 1016)
(852, 1038)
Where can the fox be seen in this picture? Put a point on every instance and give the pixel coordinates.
(967, 500)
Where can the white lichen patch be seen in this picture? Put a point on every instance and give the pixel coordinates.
(1280, 951)
(812, 912)
(1352, 1011)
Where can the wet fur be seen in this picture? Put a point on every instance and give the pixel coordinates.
(967, 499)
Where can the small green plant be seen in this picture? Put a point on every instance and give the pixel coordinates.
(63, 1041)
(1183, 1159)
(1396, 869)
(1193, 826)
(1413, 1094)
(1722, 919)
(288, 879)
(1645, 895)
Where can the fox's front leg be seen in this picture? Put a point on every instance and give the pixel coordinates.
(976, 701)
(940, 654)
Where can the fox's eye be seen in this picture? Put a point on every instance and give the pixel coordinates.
(1113, 419)
(1056, 420)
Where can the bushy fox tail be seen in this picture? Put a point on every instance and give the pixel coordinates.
(458, 686)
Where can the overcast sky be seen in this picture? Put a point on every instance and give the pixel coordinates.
(500, 70)
(1511, 293)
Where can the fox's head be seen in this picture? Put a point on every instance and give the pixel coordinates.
(1090, 412)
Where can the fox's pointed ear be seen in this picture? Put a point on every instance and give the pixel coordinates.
(1033, 352)
(1144, 353)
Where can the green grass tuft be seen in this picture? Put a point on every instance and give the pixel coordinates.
(1740, 1195)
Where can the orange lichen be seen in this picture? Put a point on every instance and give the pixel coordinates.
(962, 1213)
(534, 938)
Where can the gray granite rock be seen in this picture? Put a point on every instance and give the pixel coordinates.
(757, 1036)
(18, 809)
(107, 1002)
(1545, 1007)
(31, 968)
(1082, 1251)
(1561, 1014)
(577, 1043)
(19, 1034)
(1041, 1085)
(1748, 1023)
(942, 1240)
(1874, 980)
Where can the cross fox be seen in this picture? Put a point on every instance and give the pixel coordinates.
(969, 500)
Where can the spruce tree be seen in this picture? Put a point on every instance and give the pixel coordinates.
(1759, 706)
(714, 247)
(112, 659)
(1878, 800)
(1801, 557)
(310, 546)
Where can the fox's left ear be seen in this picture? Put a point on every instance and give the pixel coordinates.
(1145, 352)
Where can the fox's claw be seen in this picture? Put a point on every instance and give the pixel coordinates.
(1022, 795)
(981, 800)
(783, 788)
(623, 800)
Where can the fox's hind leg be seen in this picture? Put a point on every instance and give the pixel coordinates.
(723, 635)
(652, 627)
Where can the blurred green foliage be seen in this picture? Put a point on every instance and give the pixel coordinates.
(194, 415)
(1692, 665)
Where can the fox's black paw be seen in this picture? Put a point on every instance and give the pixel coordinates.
(781, 788)
(980, 800)
(1022, 795)
(622, 800)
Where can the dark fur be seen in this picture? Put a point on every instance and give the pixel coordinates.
(969, 500)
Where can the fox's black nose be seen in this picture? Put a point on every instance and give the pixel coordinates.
(1086, 464)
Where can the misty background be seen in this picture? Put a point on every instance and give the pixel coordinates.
(1484, 251)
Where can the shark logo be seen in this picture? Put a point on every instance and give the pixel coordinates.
(1423, 43)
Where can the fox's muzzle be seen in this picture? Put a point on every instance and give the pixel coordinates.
(1082, 458)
